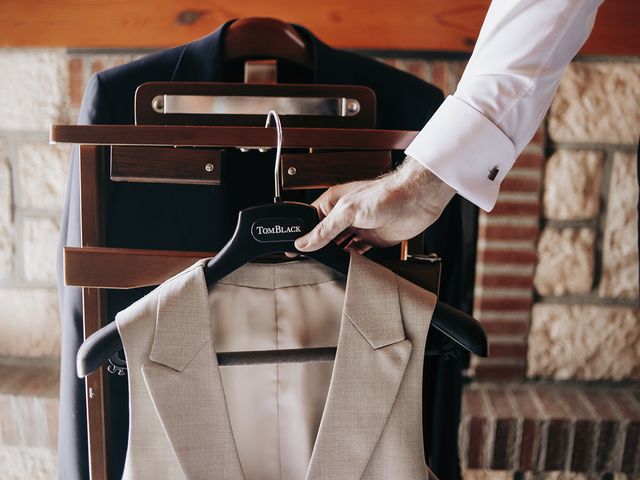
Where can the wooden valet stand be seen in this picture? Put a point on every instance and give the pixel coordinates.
(183, 135)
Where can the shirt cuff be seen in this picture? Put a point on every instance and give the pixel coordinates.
(465, 150)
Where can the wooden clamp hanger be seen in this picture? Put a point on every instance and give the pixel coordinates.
(267, 38)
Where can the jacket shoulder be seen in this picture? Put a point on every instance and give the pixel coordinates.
(109, 96)
(155, 65)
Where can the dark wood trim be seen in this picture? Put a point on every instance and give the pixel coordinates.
(324, 169)
(92, 163)
(253, 137)
(166, 165)
(103, 267)
(404, 25)
(204, 166)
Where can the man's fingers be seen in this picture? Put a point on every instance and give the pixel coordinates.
(333, 224)
(335, 216)
(342, 237)
(325, 202)
(358, 245)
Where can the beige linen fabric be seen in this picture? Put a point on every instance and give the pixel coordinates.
(358, 417)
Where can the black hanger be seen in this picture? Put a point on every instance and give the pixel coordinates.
(268, 229)
(272, 228)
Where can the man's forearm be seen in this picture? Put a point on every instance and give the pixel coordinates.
(524, 46)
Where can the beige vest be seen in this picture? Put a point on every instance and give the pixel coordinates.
(358, 417)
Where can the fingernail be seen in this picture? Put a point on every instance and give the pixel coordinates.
(301, 243)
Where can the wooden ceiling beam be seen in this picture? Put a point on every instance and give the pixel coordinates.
(407, 25)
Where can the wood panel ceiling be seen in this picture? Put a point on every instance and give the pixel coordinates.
(409, 25)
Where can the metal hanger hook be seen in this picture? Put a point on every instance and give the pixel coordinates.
(276, 172)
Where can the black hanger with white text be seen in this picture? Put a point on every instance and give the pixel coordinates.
(268, 229)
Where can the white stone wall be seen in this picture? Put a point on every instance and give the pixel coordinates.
(586, 324)
(35, 86)
(40, 87)
(584, 341)
(35, 94)
(33, 463)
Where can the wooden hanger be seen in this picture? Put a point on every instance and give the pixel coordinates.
(266, 38)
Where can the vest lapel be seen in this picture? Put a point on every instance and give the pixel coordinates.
(183, 377)
(371, 359)
(184, 381)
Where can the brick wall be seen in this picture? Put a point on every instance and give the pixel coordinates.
(506, 260)
(576, 181)
(557, 266)
(585, 321)
(589, 428)
(506, 245)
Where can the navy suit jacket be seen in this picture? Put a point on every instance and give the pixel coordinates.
(202, 218)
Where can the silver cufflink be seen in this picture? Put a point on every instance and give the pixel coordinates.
(493, 173)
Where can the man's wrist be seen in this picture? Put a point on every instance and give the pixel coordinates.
(426, 187)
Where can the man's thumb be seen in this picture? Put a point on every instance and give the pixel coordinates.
(335, 222)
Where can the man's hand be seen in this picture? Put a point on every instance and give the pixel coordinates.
(380, 212)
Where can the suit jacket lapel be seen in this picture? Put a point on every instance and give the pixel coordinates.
(184, 381)
(371, 359)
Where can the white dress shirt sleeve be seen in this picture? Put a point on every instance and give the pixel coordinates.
(473, 139)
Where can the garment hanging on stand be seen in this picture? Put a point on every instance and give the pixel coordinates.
(170, 216)
(357, 417)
